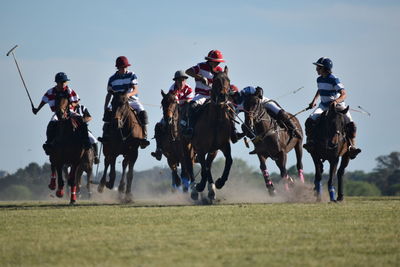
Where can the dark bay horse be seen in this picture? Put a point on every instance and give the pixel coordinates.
(330, 144)
(212, 133)
(69, 146)
(176, 148)
(271, 140)
(125, 133)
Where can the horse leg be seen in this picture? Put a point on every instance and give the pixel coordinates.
(228, 164)
(121, 186)
(72, 183)
(176, 180)
(110, 183)
(89, 175)
(132, 160)
(343, 164)
(102, 183)
(211, 186)
(281, 163)
(332, 172)
(299, 155)
(318, 176)
(200, 186)
(52, 184)
(60, 181)
(265, 173)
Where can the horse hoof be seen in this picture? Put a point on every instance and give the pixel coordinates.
(211, 191)
(72, 202)
(200, 187)
(121, 188)
(128, 198)
(60, 193)
(340, 199)
(90, 195)
(271, 189)
(109, 185)
(100, 188)
(194, 194)
(52, 185)
(220, 183)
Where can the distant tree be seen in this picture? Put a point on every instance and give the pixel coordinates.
(16, 192)
(359, 188)
(386, 175)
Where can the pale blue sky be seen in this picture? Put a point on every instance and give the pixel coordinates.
(267, 43)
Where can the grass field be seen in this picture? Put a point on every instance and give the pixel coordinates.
(359, 232)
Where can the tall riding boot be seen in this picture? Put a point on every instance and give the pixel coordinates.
(309, 145)
(191, 120)
(96, 153)
(144, 121)
(351, 138)
(51, 133)
(158, 130)
(284, 117)
(85, 135)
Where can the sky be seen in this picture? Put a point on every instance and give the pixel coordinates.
(271, 44)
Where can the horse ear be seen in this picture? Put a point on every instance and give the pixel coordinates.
(162, 93)
(259, 92)
(226, 70)
(344, 111)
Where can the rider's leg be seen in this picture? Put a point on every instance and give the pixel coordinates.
(144, 121)
(158, 133)
(95, 147)
(351, 130)
(284, 117)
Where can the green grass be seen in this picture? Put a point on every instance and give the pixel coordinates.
(361, 232)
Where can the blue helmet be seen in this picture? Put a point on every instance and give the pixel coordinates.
(324, 62)
(61, 77)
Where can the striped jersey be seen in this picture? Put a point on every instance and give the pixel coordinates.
(329, 88)
(122, 82)
(184, 95)
(51, 94)
(204, 70)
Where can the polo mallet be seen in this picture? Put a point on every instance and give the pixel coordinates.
(301, 111)
(19, 71)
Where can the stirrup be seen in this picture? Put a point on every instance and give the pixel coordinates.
(144, 143)
(157, 154)
(353, 152)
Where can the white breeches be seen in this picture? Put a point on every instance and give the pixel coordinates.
(321, 108)
(271, 105)
(135, 104)
(200, 99)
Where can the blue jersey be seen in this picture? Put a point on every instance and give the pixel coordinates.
(329, 88)
(122, 82)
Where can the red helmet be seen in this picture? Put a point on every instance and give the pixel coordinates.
(215, 55)
(122, 62)
(233, 89)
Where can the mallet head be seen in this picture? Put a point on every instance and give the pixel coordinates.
(11, 50)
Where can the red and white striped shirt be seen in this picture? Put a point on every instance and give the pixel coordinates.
(50, 96)
(184, 95)
(204, 70)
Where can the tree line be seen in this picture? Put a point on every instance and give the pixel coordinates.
(30, 183)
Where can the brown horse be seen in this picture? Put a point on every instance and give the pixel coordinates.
(68, 147)
(271, 139)
(124, 135)
(176, 148)
(330, 144)
(212, 133)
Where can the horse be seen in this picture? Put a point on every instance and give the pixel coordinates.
(125, 134)
(176, 148)
(212, 132)
(271, 140)
(69, 146)
(331, 144)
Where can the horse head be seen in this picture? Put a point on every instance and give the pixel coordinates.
(169, 106)
(220, 87)
(119, 107)
(62, 105)
(253, 107)
(332, 126)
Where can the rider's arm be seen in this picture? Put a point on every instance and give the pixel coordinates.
(314, 101)
(108, 98)
(134, 91)
(36, 110)
(191, 72)
(341, 98)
